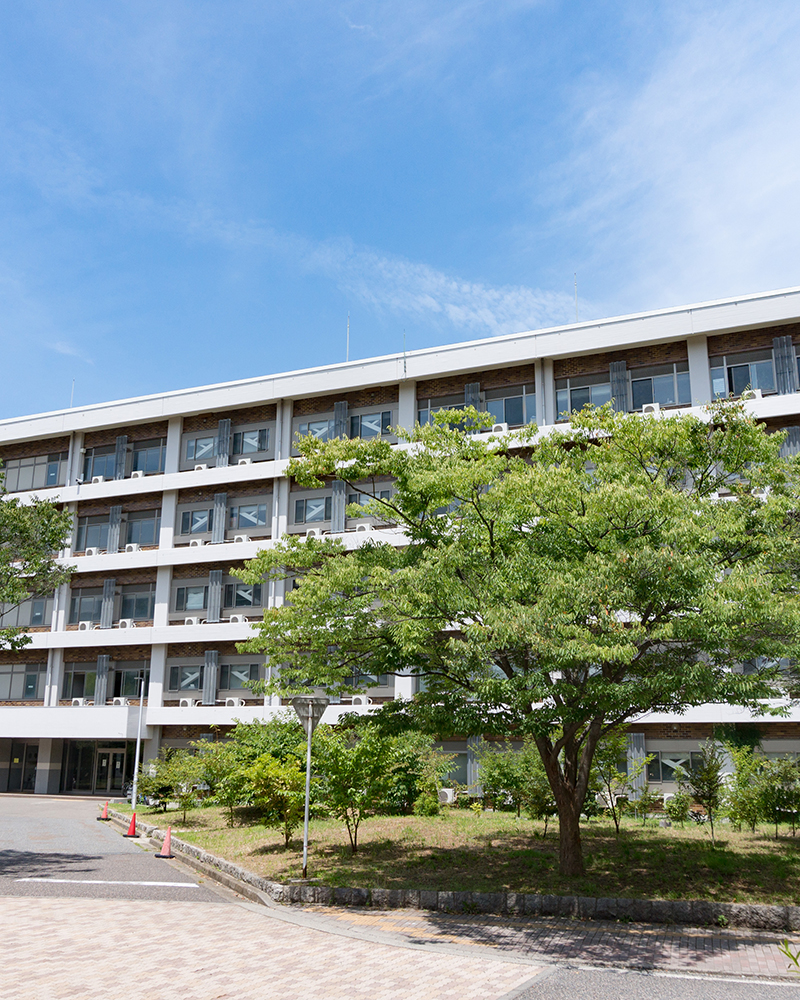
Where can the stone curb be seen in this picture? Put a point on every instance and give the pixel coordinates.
(696, 912)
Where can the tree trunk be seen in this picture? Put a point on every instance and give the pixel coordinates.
(570, 851)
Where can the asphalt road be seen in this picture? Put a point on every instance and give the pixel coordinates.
(56, 847)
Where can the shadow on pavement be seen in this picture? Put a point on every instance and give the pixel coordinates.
(35, 864)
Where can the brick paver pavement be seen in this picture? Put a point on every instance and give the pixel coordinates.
(81, 949)
(637, 946)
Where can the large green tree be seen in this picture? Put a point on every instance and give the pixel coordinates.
(556, 585)
(30, 536)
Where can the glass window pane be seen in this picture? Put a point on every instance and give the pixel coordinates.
(239, 675)
(641, 392)
(514, 417)
(763, 376)
(195, 598)
(200, 521)
(670, 761)
(299, 511)
(204, 448)
(320, 429)
(190, 678)
(496, 408)
(579, 398)
(664, 390)
(315, 509)
(250, 441)
(25, 481)
(562, 403)
(370, 425)
(601, 394)
(684, 388)
(718, 383)
(653, 768)
(739, 379)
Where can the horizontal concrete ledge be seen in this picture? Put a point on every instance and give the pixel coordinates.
(695, 912)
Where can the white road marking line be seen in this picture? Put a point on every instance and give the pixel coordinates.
(103, 881)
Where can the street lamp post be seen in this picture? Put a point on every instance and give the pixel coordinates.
(309, 712)
(138, 745)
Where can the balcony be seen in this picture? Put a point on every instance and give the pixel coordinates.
(111, 722)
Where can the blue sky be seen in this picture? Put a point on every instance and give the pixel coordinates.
(197, 191)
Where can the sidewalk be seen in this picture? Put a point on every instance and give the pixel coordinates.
(712, 951)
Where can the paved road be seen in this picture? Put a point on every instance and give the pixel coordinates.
(99, 932)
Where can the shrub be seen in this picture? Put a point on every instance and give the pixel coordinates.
(677, 806)
(279, 791)
(427, 805)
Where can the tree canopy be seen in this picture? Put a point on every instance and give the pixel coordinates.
(556, 585)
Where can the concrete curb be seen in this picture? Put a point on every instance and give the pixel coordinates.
(696, 912)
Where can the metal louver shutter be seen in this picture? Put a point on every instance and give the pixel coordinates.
(214, 595)
(101, 683)
(120, 455)
(210, 672)
(785, 365)
(472, 394)
(791, 443)
(223, 443)
(107, 607)
(618, 373)
(114, 525)
(220, 518)
(340, 412)
(338, 505)
(636, 754)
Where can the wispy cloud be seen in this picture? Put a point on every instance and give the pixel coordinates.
(69, 350)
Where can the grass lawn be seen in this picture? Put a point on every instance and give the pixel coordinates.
(495, 851)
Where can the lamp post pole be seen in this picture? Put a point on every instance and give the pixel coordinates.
(308, 795)
(309, 712)
(138, 745)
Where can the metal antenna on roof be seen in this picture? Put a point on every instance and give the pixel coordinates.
(576, 296)
(72, 394)
(404, 352)
(347, 356)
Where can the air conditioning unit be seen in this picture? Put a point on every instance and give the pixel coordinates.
(361, 699)
(195, 543)
(137, 474)
(312, 533)
(651, 408)
(126, 623)
(78, 702)
(241, 538)
(447, 796)
(499, 428)
(84, 626)
(92, 551)
(132, 547)
(234, 702)
(187, 702)
(237, 619)
(752, 394)
(245, 461)
(98, 479)
(191, 621)
(120, 702)
(364, 527)
(201, 467)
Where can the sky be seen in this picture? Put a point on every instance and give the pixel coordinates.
(192, 192)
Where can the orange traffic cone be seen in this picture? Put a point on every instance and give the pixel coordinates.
(132, 828)
(166, 847)
(104, 816)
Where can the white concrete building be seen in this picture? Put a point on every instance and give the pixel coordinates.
(169, 491)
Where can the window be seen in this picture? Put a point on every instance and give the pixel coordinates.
(320, 429)
(201, 449)
(312, 509)
(251, 442)
(148, 456)
(36, 611)
(126, 680)
(35, 473)
(663, 765)
(197, 522)
(191, 598)
(368, 680)
(186, 678)
(79, 680)
(667, 385)
(731, 374)
(427, 407)
(143, 527)
(138, 601)
(234, 676)
(242, 595)
(364, 498)
(514, 406)
(371, 425)
(22, 681)
(100, 462)
(575, 393)
(92, 533)
(248, 516)
(85, 605)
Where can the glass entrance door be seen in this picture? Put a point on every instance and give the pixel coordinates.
(109, 770)
(22, 773)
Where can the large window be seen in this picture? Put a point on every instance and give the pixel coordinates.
(138, 601)
(35, 473)
(370, 425)
(92, 533)
(242, 595)
(194, 598)
(100, 462)
(364, 498)
(148, 456)
(197, 522)
(22, 681)
(143, 527)
(201, 449)
(85, 605)
(126, 680)
(514, 405)
(186, 678)
(235, 676)
(664, 764)
(576, 392)
(37, 611)
(732, 374)
(253, 515)
(667, 385)
(320, 429)
(427, 407)
(251, 442)
(79, 680)
(312, 510)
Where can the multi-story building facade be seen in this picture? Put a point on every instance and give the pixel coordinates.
(169, 492)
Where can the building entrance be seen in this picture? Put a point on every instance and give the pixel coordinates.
(22, 772)
(109, 774)
(96, 768)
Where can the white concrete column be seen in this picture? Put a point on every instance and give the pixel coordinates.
(173, 456)
(699, 374)
(75, 460)
(72, 539)
(54, 676)
(169, 509)
(407, 404)
(150, 748)
(61, 608)
(287, 411)
(158, 670)
(541, 419)
(404, 685)
(548, 392)
(48, 767)
(163, 587)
